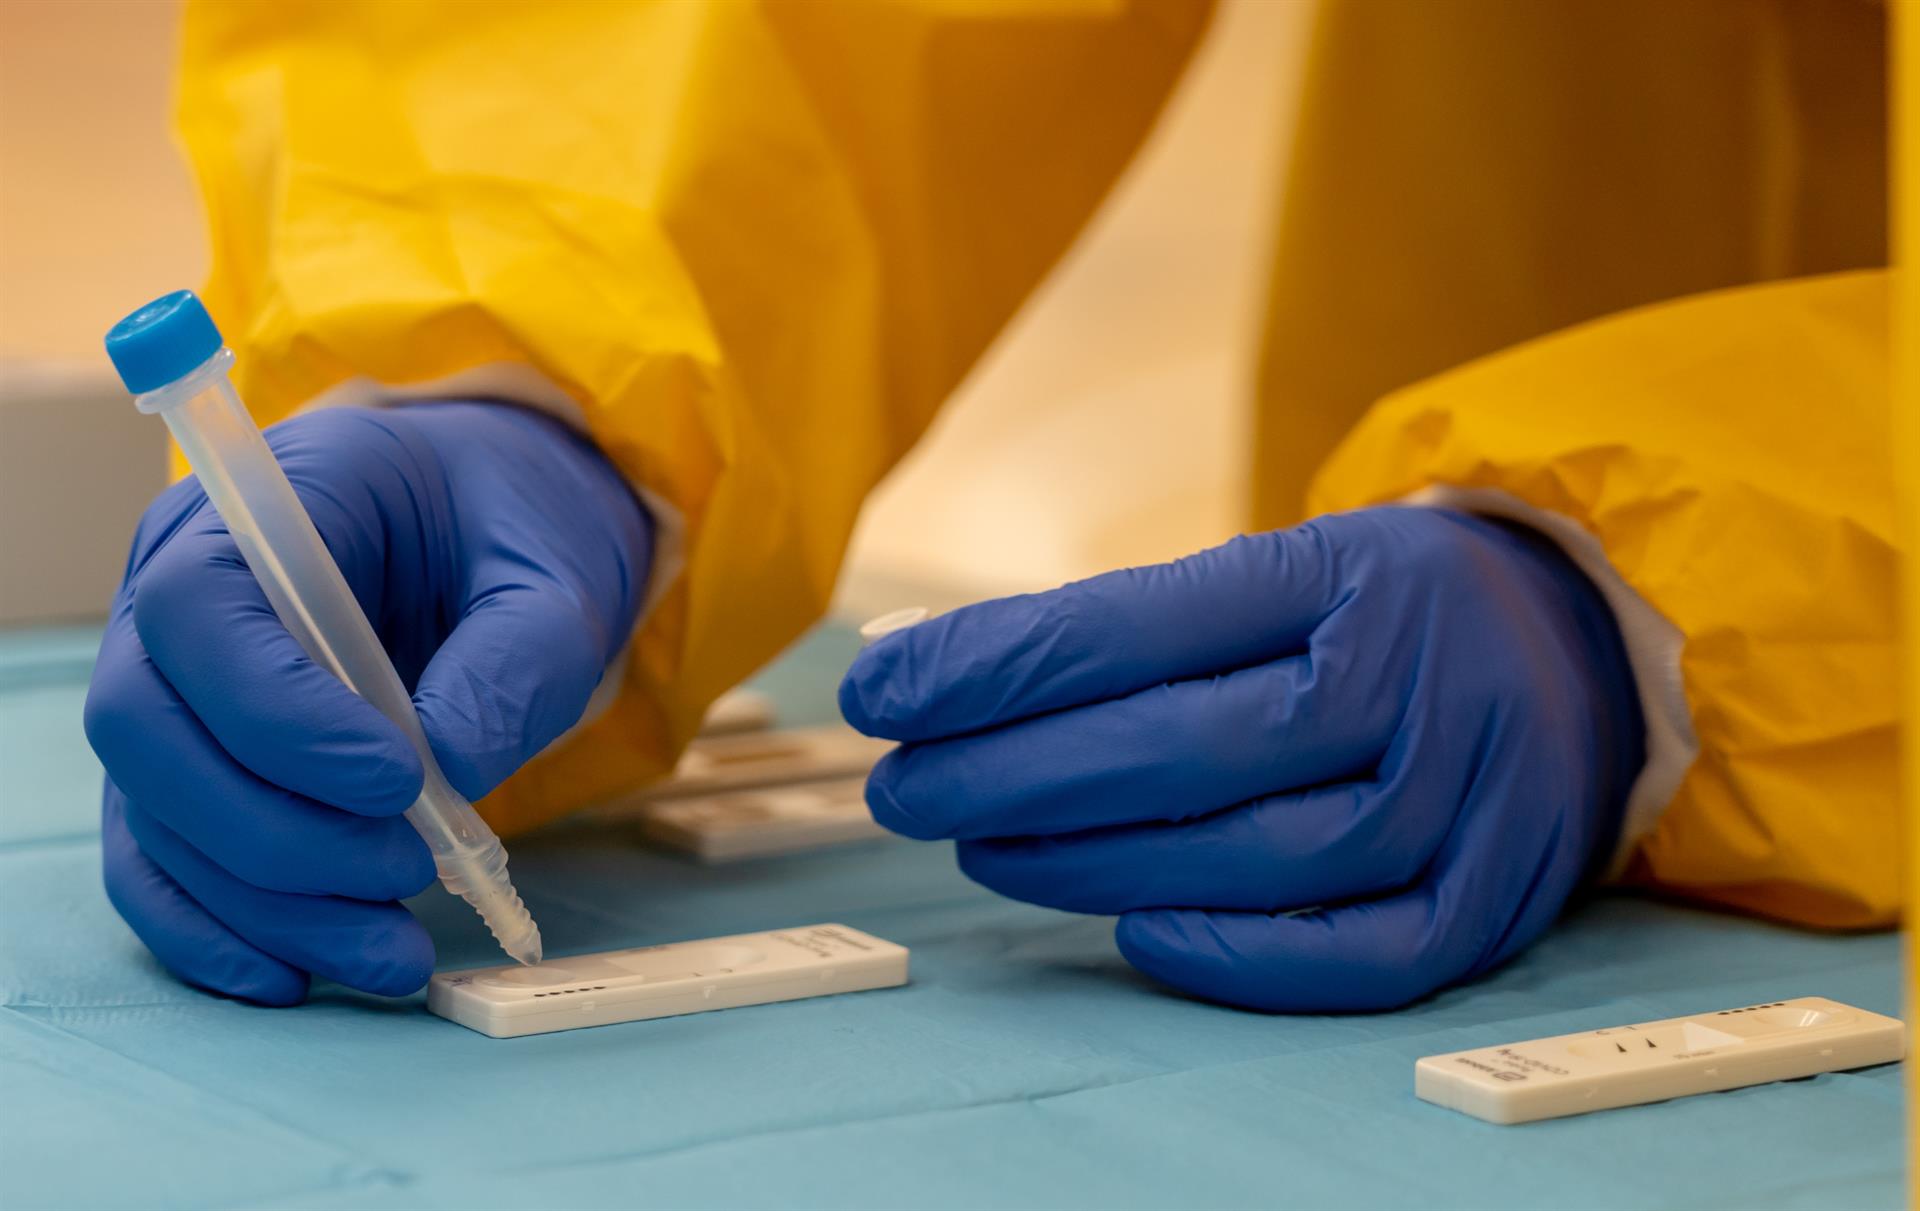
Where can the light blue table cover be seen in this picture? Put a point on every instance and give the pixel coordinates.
(1025, 1066)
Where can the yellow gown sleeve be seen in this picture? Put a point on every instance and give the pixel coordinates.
(1469, 174)
(753, 242)
(1730, 452)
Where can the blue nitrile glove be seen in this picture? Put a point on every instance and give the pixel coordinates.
(251, 819)
(1420, 725)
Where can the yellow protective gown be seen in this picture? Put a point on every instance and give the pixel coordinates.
(1473, 173)
(1905, 328)
(755, 244)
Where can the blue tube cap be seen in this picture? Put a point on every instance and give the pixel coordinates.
(162, 342)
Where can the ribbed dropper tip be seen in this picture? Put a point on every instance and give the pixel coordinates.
(524, 950)
(508, 919)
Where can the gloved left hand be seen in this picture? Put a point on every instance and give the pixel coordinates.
(1419, 726)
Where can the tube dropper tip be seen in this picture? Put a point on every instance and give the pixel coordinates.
(527, 952)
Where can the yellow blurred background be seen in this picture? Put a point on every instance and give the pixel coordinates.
(1108, 426)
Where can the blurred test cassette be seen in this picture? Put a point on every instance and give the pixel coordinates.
(763, 821)
(759, 793)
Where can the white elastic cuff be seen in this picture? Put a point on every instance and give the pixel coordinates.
(518, 383)
(1653, 651)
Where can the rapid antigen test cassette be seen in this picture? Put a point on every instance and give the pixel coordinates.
(722, 764)
(763, 821)
(758, 794)
(713, 764)
(665, 981)
(1655, 1061)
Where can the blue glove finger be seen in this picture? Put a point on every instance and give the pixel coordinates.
(156, 751)
(188, 942)
(1249, 601)
(516, 672)
(374, 947)
(1341, 841)
(543, 612)
(366, 490)
(1459, 921)
(200, 615)
(1168, 753)
(1374, 955)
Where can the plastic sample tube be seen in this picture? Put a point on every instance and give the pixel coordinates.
(171, 357)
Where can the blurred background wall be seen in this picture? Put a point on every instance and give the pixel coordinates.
(1107, 427)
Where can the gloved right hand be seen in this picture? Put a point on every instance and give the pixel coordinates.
(251, 822)
(1335, 767)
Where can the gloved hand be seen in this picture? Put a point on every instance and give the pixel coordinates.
(1419, 726)
(251, 821)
